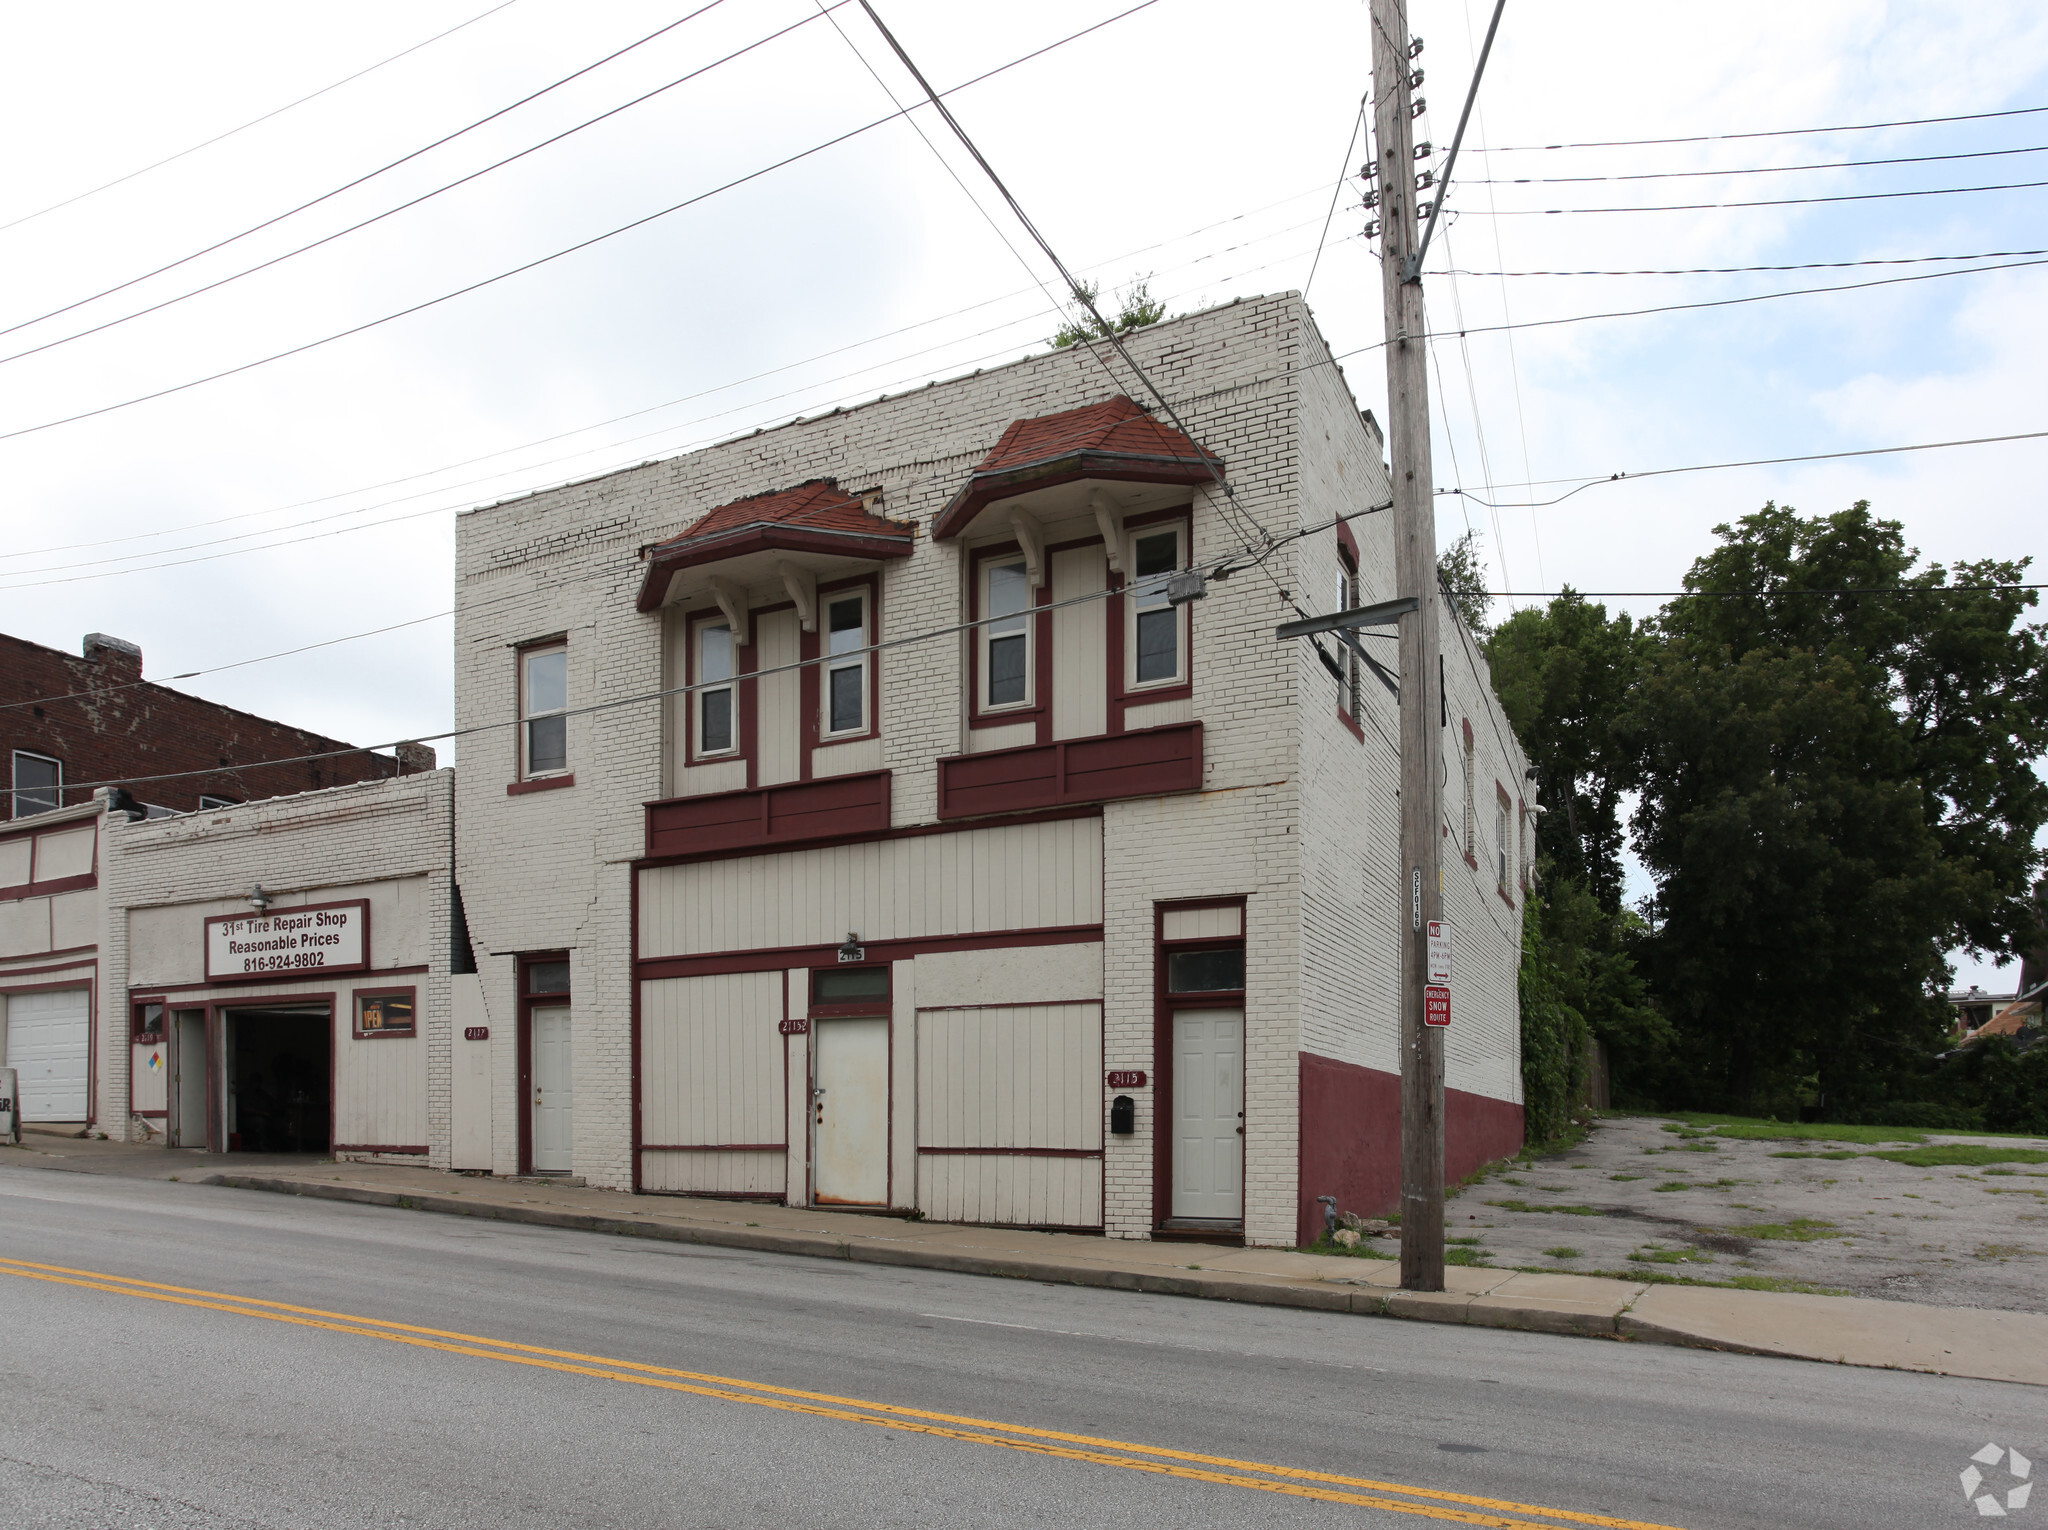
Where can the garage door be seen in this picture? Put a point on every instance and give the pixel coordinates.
(46, 1046)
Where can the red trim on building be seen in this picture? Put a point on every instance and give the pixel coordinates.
(770, 817)
(1009, 1152)
(1163, 1006)
(1350, 1144)
(712, 1147)
(772, 958)
(914, 831)
(416, 1151)
(539, 784)
(1152, 762)
(77, 966)
(815, 517)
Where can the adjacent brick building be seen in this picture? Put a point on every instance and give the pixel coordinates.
(67, 720)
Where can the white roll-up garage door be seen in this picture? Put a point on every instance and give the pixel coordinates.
(47, 1047)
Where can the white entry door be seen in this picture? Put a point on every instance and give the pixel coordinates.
(552, 1075)
(1208, 1114)
(850, 1111)
(188, 1078)
(47, 1036)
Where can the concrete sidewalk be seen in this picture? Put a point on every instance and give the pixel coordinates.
(1952, 1341)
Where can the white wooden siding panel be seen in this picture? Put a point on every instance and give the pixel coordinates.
(1023, 876)
(1202, 923)
(17, 859)
(713, 1173)
(778, 728)
(1056, 1192)
(1080, 654)
(1021, 1076)
(1011, 736)
(380, 1088)
(712, 1060)
(65, 854)
(1157, 714)
(847, 759)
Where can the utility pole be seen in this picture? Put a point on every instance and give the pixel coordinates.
(1422, 1046)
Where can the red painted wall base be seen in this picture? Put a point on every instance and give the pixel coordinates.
(1351, 1138)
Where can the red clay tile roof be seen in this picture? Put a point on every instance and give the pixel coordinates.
(1115, 439)
(817, 516)
(1116, 425)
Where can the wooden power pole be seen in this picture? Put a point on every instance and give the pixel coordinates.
(1422, 1046)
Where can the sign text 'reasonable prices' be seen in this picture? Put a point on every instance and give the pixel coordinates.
(322, 938)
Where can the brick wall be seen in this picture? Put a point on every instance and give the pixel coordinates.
(121, 731)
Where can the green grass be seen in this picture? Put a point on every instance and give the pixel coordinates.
(1959, 1153)
(1564, 1251)
(1837, 1153)
(1798, 1230)
(1365, 1249)
(1672, 1184)
(1461, 1240)
(1570, 1211)
(1463, 1255)
(1648, 1255)
(1740, 1283)
(1625, 1176)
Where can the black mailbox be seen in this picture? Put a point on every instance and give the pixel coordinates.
(1123, 1116)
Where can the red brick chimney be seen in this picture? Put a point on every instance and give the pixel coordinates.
(119, 659)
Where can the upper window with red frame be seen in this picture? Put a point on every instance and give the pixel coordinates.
(715, 702)
(847, 695)
(1007, 642)
(543, 710)
(1156, 637)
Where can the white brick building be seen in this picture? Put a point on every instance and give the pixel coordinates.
(761, 912)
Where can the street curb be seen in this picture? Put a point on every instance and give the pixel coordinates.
(1421, 1306)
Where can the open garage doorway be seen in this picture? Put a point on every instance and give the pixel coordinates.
(278, 1068)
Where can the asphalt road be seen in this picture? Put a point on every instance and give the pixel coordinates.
(191, 1358)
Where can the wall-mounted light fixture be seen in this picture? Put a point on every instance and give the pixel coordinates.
(259, 900)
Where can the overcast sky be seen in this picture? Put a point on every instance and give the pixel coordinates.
(1197, 143)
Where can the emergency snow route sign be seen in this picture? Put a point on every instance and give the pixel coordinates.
(1436, 1006)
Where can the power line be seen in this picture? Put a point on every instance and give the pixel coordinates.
(1852, 127)
(585, 244)
(702, 393)
(161, 554)
(1808, 265)
(329, 195)
(1687, 175)
(1860, 196)
(1710, 467)
(1771, 594)
(253, 121)
(1336, 191)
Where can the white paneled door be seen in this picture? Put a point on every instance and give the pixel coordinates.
(47, 1045)
(1208, 1114)
(188, 1078)
(850, 1111)
(553, 1073)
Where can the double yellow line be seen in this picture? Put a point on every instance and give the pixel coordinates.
(1328, 1487)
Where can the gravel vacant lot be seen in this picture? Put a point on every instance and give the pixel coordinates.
(1647, 1195)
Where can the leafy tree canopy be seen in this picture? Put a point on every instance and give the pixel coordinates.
(1462, 573)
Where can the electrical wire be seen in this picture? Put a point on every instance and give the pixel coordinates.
(1772, 594)
(1711, 467)
(326, 196)
(1808, 265)
(1859, 196)
(1852, 127)
(1688, 175)
(584, 244)
(254, 121)
(1336, 191)
(703, 393)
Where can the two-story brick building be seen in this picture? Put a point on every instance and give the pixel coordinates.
(875, 830)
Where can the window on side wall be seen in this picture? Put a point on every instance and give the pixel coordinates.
(1006, 659)
(1471, 841)
(1157, 638)
(38, 784)
(1348, 696)
(715, 702)
(543, 708)
(848, 699)
(1503, 848)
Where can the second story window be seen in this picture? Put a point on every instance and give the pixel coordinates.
(717, 715)
(1006, 639)
(1158, 633)
(1503, 850)
(1347, 657)
(846, 666)
(38, 784)
(543, 707)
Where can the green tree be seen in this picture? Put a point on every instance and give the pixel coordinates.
(1564, 674)
(1462, 573)
(1836, 789)
(1136, 308)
